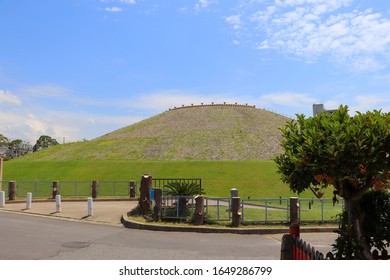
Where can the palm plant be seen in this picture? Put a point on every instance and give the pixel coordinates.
(182, 190)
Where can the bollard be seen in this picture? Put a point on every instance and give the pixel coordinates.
(58, 203)
(2, 199)
(28, 201)
(12, 190)
(90, 206)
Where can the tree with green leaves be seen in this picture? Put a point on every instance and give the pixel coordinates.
(18, 148)
(44, 142)
(3, 140)
(350, 153)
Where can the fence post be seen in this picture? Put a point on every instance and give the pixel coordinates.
(236, 215)
(28, 201)
(286, 252)
(94, 187)
(132, 189)
(199, 210)
(2, 199)
(144, 200)
(12, 190)
(294, 229)
(90, 206)
(294, 209)
(233, 192)
(58, 203)
(56, 188)
(157, 209)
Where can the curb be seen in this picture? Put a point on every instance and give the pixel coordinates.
(203, 229)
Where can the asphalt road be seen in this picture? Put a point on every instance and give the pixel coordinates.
(31, 237)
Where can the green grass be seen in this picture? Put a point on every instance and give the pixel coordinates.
(318, 212)
(257, 179)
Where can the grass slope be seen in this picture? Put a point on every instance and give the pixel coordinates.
(227, 146)
(191, 133)
(252, 178)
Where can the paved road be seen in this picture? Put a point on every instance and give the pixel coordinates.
(31, 237)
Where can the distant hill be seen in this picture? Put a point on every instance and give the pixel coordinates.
(209, 132)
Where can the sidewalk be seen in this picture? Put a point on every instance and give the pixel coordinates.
(104, 211)
(113, 212)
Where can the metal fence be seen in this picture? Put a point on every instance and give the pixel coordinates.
(277, 210)
(258, 211)
(183, 207)
(178, 207)
(218, 209)
(43, 189)
(265, 210)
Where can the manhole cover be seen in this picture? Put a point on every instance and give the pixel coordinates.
(76, 244)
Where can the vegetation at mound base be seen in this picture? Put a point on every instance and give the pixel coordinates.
(191, 133)
(257, 179)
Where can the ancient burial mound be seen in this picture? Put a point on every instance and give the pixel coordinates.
(209, 132)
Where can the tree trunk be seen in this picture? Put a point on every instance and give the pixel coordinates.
(355, 220)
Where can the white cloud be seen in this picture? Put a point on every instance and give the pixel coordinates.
(291, 99)
(204, 4)
(114, 9)
(310, 29)
(129, 2)
(369, 102)
(235, 20)
(45, 90)
(164, 100)
(361, 102)
(28, 124)
(117, 8)
(7, 97)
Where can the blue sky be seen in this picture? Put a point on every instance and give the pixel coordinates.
(80, 69)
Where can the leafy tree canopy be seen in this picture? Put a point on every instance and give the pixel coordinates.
(44, 142)
(349, 152)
